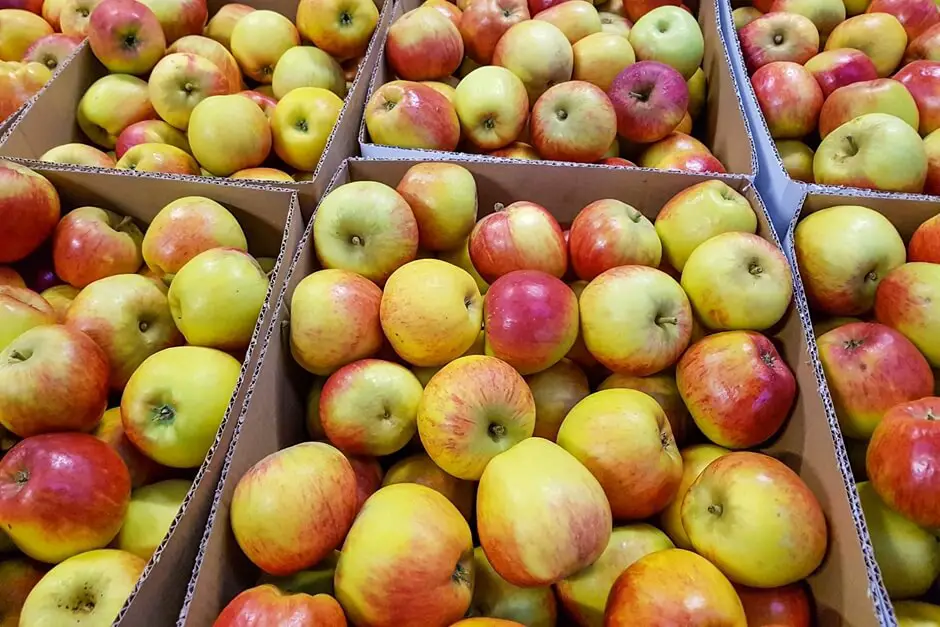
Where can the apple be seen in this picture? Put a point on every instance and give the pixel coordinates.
(694, 460)
(125, 36)
(423, 44)
(780, 536)
(12, 278)
(50, 11)
(932, 149)
(650, 100)
(881, 95)
(150, 513)
(555, 391)
(306, 66)
(182, 80)
(870, 368)
(46, 368)
(259, 39)
(575, 18)
(670, 35)
(879, 35)
(484, 22)
(20, 30)
(789, 97)
(263, 174)
(786, 605)
(18, 83)
(797, 159)
(110, 430)
(78, 154)
(617, 162)
(460, 257)
(678, 151)
(368, 473)
(213, 51)
(521, 236)
(600, 57)
(21, 309)
(902, 443)
(75, 15)
(837, 68)
(538, 53)
(635, 320)
(609, 233)
(341, 28)
(916, 16)
(18, 576)
(778, 37)
(748, 393)
(183, 229)
(444, 89)
(648, 592)
(926, 46)
(317, 489)
(366, 227)
(29, 210)
(158, 158)
(268, 603)
(503, 603)
(916, 613)
(412, 115)
(334, 320)
(615, 24)
(662, 388)
(443, 198)
(738, 280)
(541, 515)
(64, 494)
(925, 242)
(635, 9)
(61, 597)
(825, 14)
(175, 402)
(52, 50)
(840, 277)
(302, 125)
(903, 302)
(449, 10)
(573, 121)
(228, 133)
(492, 106)
(922, 80)
(421, 469)
(102, 121)
(220, 27)
(873, 151)
(149, 132)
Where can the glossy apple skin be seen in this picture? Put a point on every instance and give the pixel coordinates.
(926, 46)
(662, 387)
(833, 69)
(531, 320)
(150, 132)
(266, 102)
(925, 242)
(20, 310)
(411, 115)
(871, 368)
(904, 302)
(649, 593)
(220, 26)
(788, 606)
(882, 95)
(678, 151)
(879, 35)
(777, 37)
(573, 121)
(609, 233)
(265, 605)
(901, 455)
(423, 47)
(650, 100)
(52, 50)
(62, 494)
(521, 236)
(115, 22)
(143, 470)
(29, 211)
(789, 97)
(922, 79)
(737, 388)
(421, 469)
(484, 22)
(916, 16)
(90, 244)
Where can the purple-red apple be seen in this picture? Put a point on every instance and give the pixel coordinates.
(833, 69)
(650, 100)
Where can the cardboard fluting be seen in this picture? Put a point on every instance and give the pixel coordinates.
(845, 587)
(726, 132)
(50, 119)
(273, 226)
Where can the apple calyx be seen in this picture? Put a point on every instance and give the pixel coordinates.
(301, 125)
(489, 124)
(715, 509)
(20, 477)
(755, 268)
(462, 573)
(561, 115)
(163, 413)
(496, 431)
(778, 39)
(130, 41)
(663, 320)
(345, 19)
(642, 96)
(768, 359)
(853, 344)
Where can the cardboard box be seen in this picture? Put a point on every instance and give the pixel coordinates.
(49, 120)
(846, 587)
(722, 122)
(273, 226)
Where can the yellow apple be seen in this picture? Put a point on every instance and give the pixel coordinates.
(694, 460)
(492, 105)
(885, 50)
(259, 39)
(341, 28)
(18, 30)
(306, 66)
(220, 27)
(494, 597)
(149, 515)
(158, 158)
(697, 93)
(60, 298)
(78, 154)
(443, 198)
(263, 174)
(302, 123)
(460, 257)
(556, 391)
(179, 82)
(229, 133)
(21, 309)
(600, 57)
(111, 104)
(538, 53)
(917, 614)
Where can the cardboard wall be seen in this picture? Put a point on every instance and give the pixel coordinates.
(845, 587)
(725, 129)
(49, 120)
(273, 226)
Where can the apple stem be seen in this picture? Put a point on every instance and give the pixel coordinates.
(667, 320)
(930, 415)
(21, 477)
(715, 509)
(496, 431)
(126, 220)
(163, 413)
(17, 356)
(871, 276)
(755, 268)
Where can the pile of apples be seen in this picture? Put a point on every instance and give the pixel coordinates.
(239, 96)
(573, 83)
(858, 80)
(465, 461)
(113, 385)
(878, 331)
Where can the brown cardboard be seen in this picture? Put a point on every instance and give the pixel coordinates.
(273, 226)
(906, 212)
(726, 131)
(49, 120)
(845, 589)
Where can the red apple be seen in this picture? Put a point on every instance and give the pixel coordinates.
(636, 9)
(789, 97)
(522, 236)
(52, 50)
(788, 606)
(29, 211)
(926, 46)
(573, 121)
(609, 233)
(916, 16)
(265, 101)
(62, 494)
(650, 100)
(922, 79)
(49, 368)
(737, 388)
(368, 472)
(531, 320)
(925, 242)
(266, 605)
(833, 69)
(424, 45)
(143, 470)
(407, 114)
(126, 36)
(447, 9)
(150, 132)
(18, 576)
(778, 37)
(516, 150)
(10, 277)
(882, 95)
(617, 161)
(678, 151)
(90, 243)
(483, 23)
(870, 368)
(906, 301)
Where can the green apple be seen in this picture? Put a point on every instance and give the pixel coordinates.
(670, 35)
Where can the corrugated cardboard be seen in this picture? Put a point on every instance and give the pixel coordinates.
(49, 120)
(726, 131)
(273, 226)
(845, 587)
